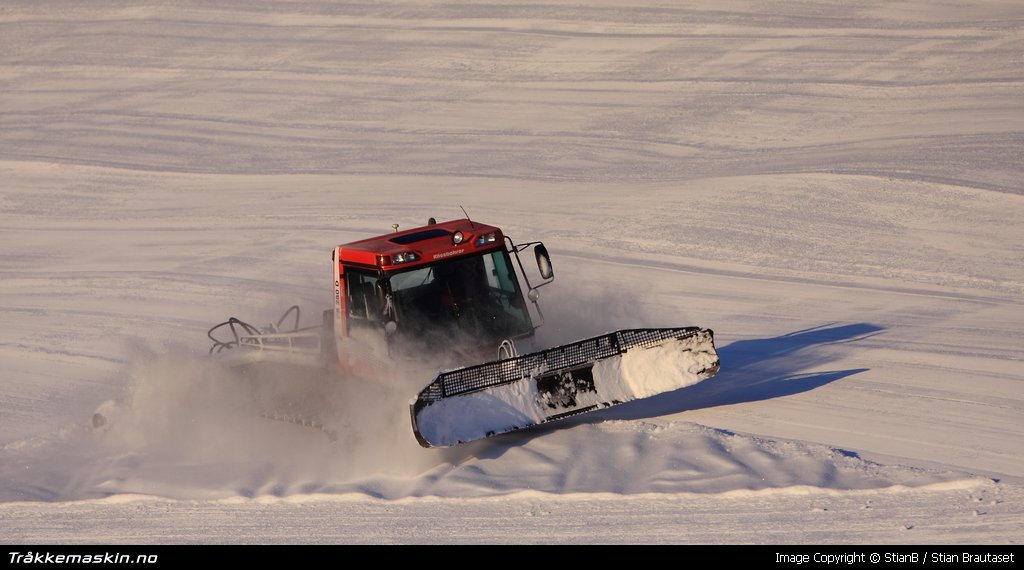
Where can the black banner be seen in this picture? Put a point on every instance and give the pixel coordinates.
(139, 556)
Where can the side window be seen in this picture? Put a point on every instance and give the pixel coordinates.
(502, 280)
(503, 274)
(362, 295)
(492, 272)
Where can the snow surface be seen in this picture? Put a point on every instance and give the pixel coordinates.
(834, 188)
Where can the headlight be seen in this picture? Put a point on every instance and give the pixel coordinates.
(457, 238)
(484, 240)
(400, 258)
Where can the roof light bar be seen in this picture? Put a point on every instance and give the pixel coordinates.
(400, 258)
(486, 239)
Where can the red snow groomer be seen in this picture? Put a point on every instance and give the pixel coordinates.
(455, 295)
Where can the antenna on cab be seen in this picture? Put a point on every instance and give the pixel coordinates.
(467, 217)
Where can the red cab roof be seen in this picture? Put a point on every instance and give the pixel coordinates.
(427, 244)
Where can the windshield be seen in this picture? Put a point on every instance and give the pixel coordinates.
(463, 304)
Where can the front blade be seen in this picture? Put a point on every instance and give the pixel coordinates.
(499, 397)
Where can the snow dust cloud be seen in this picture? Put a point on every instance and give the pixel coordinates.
(188, 425)
(583, 303)
(192, 426)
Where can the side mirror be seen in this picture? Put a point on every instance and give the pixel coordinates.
(544, 262)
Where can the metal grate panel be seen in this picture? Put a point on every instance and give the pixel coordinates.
(565, 357)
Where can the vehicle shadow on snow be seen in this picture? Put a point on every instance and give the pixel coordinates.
(757, 369)
(752, 370)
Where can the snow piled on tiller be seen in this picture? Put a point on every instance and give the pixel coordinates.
(499, 397)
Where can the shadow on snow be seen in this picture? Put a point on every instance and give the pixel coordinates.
(752, 370)
(758, 369)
